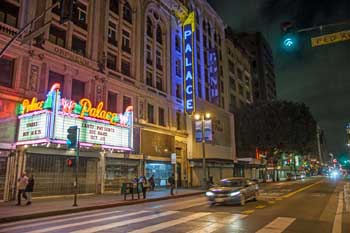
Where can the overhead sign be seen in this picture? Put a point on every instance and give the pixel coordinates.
(330, 38)
(51, 119)
(189, 84)
(213, 76)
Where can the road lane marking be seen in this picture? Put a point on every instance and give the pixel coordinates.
(66, 218)
(247, 211)
(260, 206)
(278, 225)
(54, 228)
(123, 223)
(218, 224)
(171, 223)
(301, 189)
(271, 202)
(337, 224)
(279, 199)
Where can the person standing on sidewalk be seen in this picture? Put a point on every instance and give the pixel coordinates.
(171, 181)
(22, 184)
(151, 182)
(29, 189)
(144, 186)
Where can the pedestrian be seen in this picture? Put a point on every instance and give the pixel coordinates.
(171, 182)
(144, 186)
(29, 189)
(22, 184)
(151, 183)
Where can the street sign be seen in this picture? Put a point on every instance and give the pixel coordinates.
(330, 38)
(173, 158)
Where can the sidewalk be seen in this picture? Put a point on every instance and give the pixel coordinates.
(43, 207)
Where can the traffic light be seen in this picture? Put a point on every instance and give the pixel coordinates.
(289, 38)
(70, 162)
(66, 12)
(72, 137)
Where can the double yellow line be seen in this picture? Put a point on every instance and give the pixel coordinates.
(301, 189)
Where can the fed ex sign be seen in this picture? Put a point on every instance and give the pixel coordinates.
(189, 88)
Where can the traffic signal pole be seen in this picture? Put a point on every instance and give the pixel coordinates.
(76, 168)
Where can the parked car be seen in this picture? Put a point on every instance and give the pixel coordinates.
(233, 190)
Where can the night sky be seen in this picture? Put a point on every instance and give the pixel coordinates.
(319, 77)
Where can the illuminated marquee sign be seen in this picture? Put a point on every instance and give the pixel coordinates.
(189, 84)
(51, 118)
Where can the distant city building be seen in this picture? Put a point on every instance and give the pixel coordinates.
(262, 65)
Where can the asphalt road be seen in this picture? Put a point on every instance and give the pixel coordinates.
(299, 206)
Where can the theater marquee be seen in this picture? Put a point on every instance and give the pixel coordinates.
(49, 120)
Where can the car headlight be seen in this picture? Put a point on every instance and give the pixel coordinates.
(209, 194)
(235, 194)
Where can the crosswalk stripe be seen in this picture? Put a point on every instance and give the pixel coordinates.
(278, 225)
(190, 205)
(43, 222)
(219, 223)
(123, 223)
(167, 224)
(54, 228)
(179, 203)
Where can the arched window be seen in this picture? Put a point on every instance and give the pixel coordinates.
(127, 14)
(149, 27)
(159, 35)
(177, 43)
(114, 6)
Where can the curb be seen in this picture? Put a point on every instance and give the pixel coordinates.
(87, 208)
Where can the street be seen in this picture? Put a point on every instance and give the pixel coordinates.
(295, 206)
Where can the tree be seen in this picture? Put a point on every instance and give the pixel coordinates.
(276, 127)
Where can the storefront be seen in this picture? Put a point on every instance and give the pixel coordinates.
(161, 172)
(42, 149)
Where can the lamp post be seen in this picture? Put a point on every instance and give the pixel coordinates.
(201, 119)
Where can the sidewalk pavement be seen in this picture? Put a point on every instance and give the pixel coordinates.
(49, 206)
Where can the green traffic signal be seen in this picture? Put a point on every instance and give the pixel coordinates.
(289, 42)
(72, 137)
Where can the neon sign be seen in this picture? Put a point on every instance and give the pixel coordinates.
(48, 121)
(189, 90)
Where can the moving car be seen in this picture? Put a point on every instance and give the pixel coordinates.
(233, 190)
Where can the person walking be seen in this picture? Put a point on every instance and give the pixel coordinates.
(171, 181)
(29, 189)
(22, 184)
(144, 186)
(151, 182)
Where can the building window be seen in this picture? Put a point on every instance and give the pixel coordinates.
(159, 60)
(177, 43)
(112, 34)
(8, 13)
(240, 74)
(159, 35)
(199, 88)
(114, 6)
(159, 83)
(6, 74)
(78, 46)
(178, 68)
(56, 78)
(178, 120)
(161, 116)
(149, 78)
(125, 67)
(231, 66)
(112, 102)
(126, 41)
(126, 102)
(149, 54)
(206, 93)
(150, 113)
(78, 92)
(127, 14)
(57, 36)
(232, 83)
(79, 15)
(240, 90)
(111, 61)
(178, 91)
(149, 27)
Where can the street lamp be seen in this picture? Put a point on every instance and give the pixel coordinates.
(203, 134)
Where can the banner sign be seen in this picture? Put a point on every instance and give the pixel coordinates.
(189, 84)
(51, 119)
(213, 76)
(198, 131)
(208, 131)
